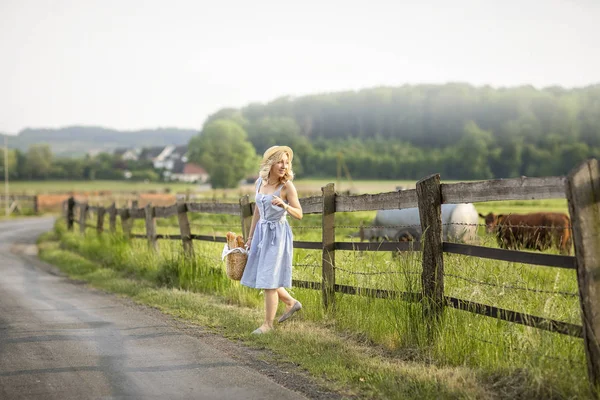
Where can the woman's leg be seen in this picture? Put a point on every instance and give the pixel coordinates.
(285, 297)
(270, 309)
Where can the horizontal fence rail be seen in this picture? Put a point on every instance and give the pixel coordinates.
(548, 260)
(564, 328)
(504, 189)
(373, 202)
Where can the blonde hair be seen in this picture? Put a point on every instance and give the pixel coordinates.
(272, 156)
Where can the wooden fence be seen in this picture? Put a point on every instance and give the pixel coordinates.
(18, 203)
(581, 188)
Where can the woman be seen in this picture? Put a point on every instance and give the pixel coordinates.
(269, 265)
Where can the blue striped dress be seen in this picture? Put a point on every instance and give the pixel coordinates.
(269, 264)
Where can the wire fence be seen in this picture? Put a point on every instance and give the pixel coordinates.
(312, 263)
(516, 349)
(378, 272)
(511, 286)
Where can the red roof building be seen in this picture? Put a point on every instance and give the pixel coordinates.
(189, 172)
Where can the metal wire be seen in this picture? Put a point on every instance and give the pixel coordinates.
(214, 226)
(376, 273)
(451, 223)
(512, 287)
(307, 265)
(512, 348)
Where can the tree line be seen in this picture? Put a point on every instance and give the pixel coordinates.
(39, 163)
(407, 132)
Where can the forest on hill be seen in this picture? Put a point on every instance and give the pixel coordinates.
(407, 132)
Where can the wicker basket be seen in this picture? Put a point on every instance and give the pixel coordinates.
(236, 262)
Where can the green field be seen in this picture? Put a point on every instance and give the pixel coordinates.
(36, 187)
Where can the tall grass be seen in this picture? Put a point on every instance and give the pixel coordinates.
(551, 365)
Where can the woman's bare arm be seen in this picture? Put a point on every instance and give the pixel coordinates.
(293, 207)
(255, 218)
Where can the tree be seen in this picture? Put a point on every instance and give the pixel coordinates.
(232, 114)
(38, 161)
(68, 168)
(223, 149)
(270, 131)
(282, 131)
(145, 175)
(470, 155)
(506, 158)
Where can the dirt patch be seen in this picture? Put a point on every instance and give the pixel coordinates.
(157, 199)
(55, 202)
(24, 248)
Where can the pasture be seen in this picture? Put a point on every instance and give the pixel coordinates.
(486, 344)
(516, 360)
(547, 364)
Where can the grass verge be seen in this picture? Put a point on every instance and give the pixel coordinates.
(370, 348)
(340, 363)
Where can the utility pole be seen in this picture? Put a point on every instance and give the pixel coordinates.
(6, 205)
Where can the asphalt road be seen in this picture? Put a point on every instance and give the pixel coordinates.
(62, 340)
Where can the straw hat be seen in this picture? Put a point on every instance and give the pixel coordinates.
(270, 152)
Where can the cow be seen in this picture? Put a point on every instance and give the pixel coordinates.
(536, 231)
(459, 224)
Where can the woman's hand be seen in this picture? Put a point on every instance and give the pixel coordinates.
(277, 201)
(248, 242)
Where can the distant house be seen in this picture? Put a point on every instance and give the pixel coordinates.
(164, 160)
(127, 154)
(179, 153)
(188, 172)
(94, 152)
(172, 160)
(151, 154)
(164, 157)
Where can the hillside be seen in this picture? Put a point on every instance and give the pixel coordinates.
(407, 132)
(75, 141)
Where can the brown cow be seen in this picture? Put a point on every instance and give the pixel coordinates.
(537, 231)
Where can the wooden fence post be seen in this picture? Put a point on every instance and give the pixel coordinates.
(151, 226)
(246, 211)
(328, 259)
(70, 213)
(583, 196)
(82, 217)
(36, 207)
(112, 218)
(126, 222)
(429, 196)
(184, 229)
(100, 220)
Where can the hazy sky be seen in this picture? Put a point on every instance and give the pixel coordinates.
(132, 64)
